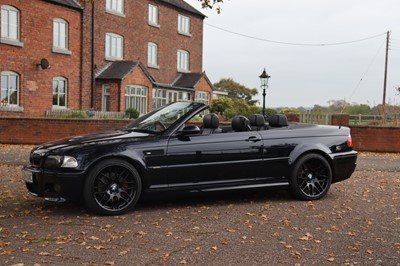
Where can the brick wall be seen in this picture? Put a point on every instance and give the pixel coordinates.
(340, 120)
(36, 31)
(293, 117)
(376, 139)
(39, 130)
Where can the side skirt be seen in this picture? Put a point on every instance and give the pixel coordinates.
(245, 187)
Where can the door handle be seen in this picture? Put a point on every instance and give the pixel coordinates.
(253, 139)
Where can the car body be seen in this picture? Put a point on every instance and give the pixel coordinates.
(165, 150)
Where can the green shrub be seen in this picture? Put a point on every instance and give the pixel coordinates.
(132, 113)
(75, 114)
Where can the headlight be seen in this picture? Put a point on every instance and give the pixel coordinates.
(56, 161)
(69, 162)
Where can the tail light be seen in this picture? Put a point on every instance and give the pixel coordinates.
(349, 141)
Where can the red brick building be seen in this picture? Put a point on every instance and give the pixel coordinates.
(123, 54)
(31, 31)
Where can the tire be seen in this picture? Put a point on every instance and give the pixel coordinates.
(311, 177)
(113, 187)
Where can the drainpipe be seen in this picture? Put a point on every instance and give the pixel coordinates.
(81, 64)
(119, 96)
(92, 62)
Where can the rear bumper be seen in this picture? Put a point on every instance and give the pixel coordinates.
(54, 185)
(343, 165)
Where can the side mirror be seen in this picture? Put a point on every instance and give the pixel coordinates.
(190, 130)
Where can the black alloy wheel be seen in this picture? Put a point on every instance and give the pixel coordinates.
(311, 177)
(113, 187)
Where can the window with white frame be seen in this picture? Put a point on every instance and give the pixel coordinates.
(159, 98)
(152, 54)
(115, 6)
(60, 92)
(136, 97)
(162, 97)
(106, 98)
(183, 61)
(9, 89)
(202, 97)
(60, 34)
(153, 15)
(114, 46)
(183, 24)
(10, 23)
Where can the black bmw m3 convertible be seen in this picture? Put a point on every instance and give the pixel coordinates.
(169, 149)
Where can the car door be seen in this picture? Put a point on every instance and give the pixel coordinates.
(214, 159)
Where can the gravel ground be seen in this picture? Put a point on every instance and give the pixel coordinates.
(357, 223)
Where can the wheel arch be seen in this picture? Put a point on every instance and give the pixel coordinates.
(303, 150)
(137, 164)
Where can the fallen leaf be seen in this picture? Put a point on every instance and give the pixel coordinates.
(295, 254)
(44, 253)
(369, 251)
(306, 237)
(4, 244)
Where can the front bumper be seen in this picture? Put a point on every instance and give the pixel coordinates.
(344, 165)
(54, 185)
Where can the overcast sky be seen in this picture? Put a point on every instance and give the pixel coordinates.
(305, 75)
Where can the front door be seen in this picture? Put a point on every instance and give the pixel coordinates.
(214, 159)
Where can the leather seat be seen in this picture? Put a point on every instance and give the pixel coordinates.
(278, 121)
(240, 124)
(211, 124)
(257, 122)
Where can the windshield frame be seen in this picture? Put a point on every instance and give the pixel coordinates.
(146, 121)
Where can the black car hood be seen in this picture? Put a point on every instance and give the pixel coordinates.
(93, 139)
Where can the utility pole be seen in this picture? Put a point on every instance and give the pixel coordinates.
(385, 79)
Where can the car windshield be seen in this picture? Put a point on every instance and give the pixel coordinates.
(161, 119)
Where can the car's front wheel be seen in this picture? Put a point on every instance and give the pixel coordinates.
(311, 177)
(112, 187)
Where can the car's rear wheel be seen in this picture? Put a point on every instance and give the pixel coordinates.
(112, 187)
(311, 177)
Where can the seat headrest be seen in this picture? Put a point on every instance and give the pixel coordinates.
(210, 121)
(240, 123)
(257, 120)
(278, 121)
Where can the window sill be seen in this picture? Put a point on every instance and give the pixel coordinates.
(11, 42)
(61, 51)
(113, 58)
(183, 70)
(185, 34)
(11, 108)
(154, 25)
(115, 13)
(59, 108)
(153, 66)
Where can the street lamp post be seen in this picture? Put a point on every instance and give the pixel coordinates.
(264, 77)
